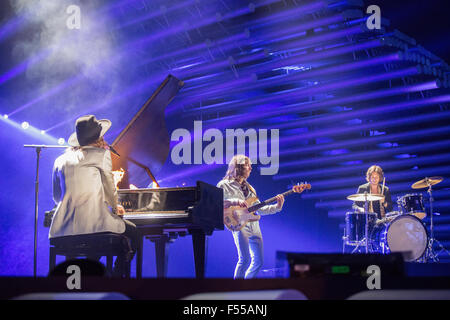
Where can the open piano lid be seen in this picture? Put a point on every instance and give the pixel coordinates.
(144, 144)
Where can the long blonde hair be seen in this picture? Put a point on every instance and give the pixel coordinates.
(235, 169)
(78, 152)
(99, 143)
(235, 166)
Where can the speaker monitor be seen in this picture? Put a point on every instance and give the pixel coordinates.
(288, 294)
(295, 265)
(401, 295)
(72, 296)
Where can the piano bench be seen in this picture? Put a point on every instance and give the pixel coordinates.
(90, 246)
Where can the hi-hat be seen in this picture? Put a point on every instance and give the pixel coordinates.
(425, 183)
(365, 196)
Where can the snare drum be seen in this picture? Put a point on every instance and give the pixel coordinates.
(412, 204)
(355, 224)
(405, 233)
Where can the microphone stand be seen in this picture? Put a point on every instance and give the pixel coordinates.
(36, 197)
(366, 227)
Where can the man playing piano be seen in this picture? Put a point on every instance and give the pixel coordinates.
(84, 190)
(249, 242)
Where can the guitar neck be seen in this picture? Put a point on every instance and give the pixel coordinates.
(266, 202)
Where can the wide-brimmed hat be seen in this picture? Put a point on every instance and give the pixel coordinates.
(87, 130)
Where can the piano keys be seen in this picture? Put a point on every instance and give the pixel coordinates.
(152, 206)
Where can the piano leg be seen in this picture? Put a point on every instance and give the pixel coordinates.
(198, 242)
(139, 250)
(161, 249)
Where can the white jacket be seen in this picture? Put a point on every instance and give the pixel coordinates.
(83, 189)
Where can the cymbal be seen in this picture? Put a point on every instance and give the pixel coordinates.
(364, 197)
(425, 183)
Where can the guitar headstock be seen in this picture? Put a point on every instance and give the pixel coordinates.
(299, 188)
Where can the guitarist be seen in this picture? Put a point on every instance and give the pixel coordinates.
(249, 242)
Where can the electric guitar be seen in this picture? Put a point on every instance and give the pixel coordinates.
(236, 217)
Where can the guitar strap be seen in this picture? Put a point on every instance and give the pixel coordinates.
(248, 187)
(245, 189)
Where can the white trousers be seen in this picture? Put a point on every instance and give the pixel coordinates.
(249, 244)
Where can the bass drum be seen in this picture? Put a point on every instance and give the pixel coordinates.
(405, 233)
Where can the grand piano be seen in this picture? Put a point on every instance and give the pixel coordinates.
(162, 214)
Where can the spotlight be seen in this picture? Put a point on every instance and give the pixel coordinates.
(5, 116)
(42, 131)
(25, 125)
(61, 141)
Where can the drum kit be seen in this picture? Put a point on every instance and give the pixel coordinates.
(398, 231)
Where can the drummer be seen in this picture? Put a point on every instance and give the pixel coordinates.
(375, 176)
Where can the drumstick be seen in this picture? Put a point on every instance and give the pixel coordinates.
(382, 189)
